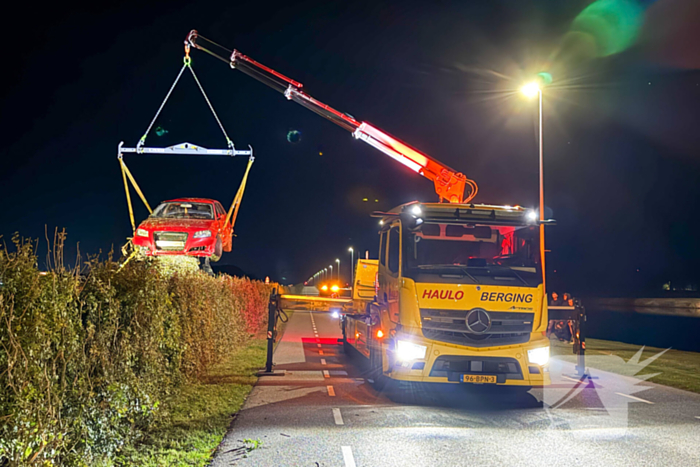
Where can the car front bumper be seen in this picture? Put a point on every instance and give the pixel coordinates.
(155, 245)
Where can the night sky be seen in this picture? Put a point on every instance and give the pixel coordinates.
(622, 161)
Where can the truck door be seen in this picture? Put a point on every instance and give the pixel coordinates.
(392, 272)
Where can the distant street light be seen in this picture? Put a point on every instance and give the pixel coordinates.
(531, 90)
(338, 261)
(330, 276)
(325, 273)
(352, 266)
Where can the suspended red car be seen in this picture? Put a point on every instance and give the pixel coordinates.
(189, 226)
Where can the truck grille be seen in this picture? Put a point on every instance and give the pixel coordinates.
(450, 326)
(170, 241)
(453, 366)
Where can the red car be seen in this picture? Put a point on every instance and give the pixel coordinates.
(185, 226)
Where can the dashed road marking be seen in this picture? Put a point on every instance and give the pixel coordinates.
(337, 417)
(571, 379)
(635, 398)
(331, 391)
(318, 345)
(323, 361)
(347, 456)
(320, 352)
(326, 374)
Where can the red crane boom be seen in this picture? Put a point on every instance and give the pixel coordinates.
(450, 185)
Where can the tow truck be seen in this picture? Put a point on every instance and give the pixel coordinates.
(459, 291)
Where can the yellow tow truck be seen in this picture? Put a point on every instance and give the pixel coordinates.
(458, 298)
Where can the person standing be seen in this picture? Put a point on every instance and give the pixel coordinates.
(554, 301)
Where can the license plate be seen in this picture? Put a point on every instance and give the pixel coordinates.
(479, 379)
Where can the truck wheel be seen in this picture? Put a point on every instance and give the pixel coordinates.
(376, 373)
(218, 250)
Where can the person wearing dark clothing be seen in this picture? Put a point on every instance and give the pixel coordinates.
(554, 301)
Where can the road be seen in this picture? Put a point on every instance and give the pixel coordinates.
(322, 412)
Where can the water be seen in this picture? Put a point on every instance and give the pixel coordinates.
(677, 332)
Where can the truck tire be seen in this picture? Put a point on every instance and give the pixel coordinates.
(376, 372)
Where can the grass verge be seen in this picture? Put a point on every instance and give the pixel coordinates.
(678, 369)
(200, 413)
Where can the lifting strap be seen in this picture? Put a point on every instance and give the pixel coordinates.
(126, 173)
(187, 63)
(233, 210)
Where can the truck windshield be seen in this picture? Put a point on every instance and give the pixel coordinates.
(481, 254)
(184, 211)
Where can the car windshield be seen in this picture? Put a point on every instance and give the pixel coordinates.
(178, 210)
(474, 254)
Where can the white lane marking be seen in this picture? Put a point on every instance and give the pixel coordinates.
(318, 345)
(326, 374)
(331, 391)
(337, 417)
(347, 456)
(323, 361)
(635, 398)
(320, 352)
(697, 417)
(571, 379)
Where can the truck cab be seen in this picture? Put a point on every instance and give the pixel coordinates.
(459, 297)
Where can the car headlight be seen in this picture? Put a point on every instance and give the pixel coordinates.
(202, 234)
(324, 287)
(539, 356)
(406, 350)
(335, 288)
(141, 233)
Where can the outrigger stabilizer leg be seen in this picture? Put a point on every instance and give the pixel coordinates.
(273, 311)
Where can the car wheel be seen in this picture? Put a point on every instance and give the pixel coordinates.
(218, 250)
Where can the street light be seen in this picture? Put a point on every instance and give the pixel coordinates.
(330, 276)
(325, 273)
(531, 90)
(352, 266)
(338, 261)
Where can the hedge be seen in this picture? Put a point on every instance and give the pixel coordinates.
(88, 353)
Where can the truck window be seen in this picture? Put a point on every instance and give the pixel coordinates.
(394, 250)
(382, 248)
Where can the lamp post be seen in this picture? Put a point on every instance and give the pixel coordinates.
(325, 273)
(338, 261)
(330, 276)
(352, 267)
(531, 90)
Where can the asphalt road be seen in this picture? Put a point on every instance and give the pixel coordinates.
(322, 412)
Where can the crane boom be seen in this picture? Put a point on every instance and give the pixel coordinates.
(450, 185)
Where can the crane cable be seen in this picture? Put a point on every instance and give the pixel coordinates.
(187, 63)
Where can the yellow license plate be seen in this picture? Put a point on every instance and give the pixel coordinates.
(479, 379)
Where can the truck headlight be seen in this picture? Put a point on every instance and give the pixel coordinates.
(406, 351)
(202, 234)
(539, 356)
(141, 233)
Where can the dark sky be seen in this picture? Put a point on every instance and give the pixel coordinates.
(621, 132)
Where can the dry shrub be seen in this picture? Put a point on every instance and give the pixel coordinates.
(86, 356)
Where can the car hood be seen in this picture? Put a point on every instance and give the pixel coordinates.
(177, 224)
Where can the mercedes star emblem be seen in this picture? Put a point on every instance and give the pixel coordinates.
(478, 321)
